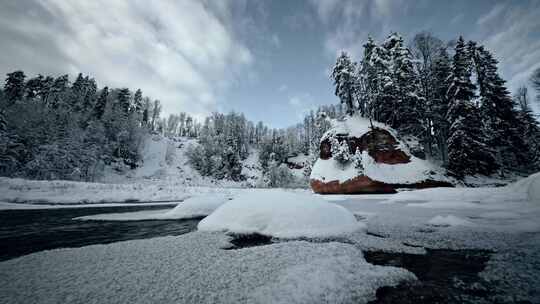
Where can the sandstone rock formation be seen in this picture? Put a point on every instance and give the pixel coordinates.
(385, 163)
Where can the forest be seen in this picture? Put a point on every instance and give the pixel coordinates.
(447, 95)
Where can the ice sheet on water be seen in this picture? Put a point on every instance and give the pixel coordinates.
(193, 269)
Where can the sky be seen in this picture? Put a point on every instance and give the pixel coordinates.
(267, 59)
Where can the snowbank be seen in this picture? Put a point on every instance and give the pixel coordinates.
(193, 207)
(281, 214)
(533, 190)
(526, 189)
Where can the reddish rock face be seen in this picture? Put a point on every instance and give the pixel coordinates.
(365, 185)
(358, 185)
(379, 143)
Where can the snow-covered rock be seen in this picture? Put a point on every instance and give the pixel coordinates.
(281, 214)
(379, 162)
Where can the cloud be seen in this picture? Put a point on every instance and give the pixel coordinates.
(491, 15)
(301, 104)
(350, 22)
(181, 52)
(276, 41)
(513, 34)
(282, 88)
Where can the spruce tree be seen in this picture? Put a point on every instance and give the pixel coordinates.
(14, 87)
(498, 112)
(138, 101)
(440, 103)
(101, 103)
(124, 100)
(344, 78)
(78, 91)
(468, 153)
(34, 86)
(410, 118)
(384, 103)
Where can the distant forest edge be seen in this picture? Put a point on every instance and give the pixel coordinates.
(448, 96)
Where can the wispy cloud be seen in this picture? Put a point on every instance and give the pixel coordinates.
(513, 34)
(182, 52)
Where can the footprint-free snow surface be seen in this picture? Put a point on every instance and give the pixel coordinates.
(500, 223)
(281, 214)
(194, 269)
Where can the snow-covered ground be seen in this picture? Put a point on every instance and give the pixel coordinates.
(195, 267)
(66, 192)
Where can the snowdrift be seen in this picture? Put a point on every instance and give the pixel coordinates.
(281, 214)
(382, 163)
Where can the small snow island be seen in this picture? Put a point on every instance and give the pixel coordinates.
(360, 157)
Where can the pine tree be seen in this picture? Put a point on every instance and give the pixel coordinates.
(383, 106)
(14, 87)
(34, 86)
(468, 153)
(138, 102)
(498, 111)
(440, 103)
(57, 96)
(90, 94)
(101, 103)
(78, 90)
(529, 129)
(344, 78)
(410, 119)
(124, 100)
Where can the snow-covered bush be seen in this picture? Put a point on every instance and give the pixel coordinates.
(357, 161)
(340, 150)
(279, 176)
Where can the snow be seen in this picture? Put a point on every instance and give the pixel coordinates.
(353, 125)
(281, 214)
(533, 191)
(194, 207)
(328, 170)
(448, 220)
(165, 160)
(193, 268)
(15, 190)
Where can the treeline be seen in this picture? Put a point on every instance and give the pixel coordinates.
(51, 128)
(225, 140)
(452, 99)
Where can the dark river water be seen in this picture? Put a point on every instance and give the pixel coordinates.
(26, 231)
